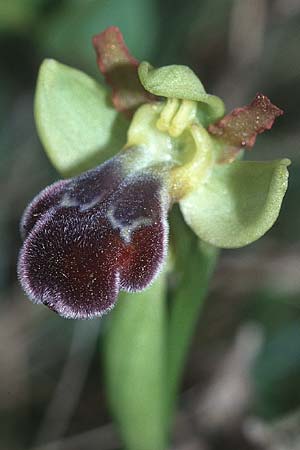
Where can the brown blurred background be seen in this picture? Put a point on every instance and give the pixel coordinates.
(241, 384)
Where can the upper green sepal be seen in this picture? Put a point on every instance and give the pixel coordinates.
(76, 124)
(177, 81)
(238, 203)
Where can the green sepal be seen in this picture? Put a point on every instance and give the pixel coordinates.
(181, 82)
(135, 367)
(238, 203)
(76, 124)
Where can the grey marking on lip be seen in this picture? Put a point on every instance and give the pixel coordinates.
(127, 230)
(68, 202)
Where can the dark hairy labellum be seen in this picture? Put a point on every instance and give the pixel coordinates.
(89, 237)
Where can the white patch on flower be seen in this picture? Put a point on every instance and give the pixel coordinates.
(127, 230)
(91, 204)
(69, 202)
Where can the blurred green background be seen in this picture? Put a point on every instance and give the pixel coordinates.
(241, 385)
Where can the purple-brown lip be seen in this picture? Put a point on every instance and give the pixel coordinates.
(89, 237)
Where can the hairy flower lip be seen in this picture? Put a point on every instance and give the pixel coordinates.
(78, 256)
(49, 300)
(38, 206)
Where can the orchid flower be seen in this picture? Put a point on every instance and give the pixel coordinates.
(104, 230)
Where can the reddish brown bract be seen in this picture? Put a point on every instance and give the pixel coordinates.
(91, 236)
(240, 128)
(120, 70)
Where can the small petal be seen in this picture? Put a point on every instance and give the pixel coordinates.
(120, 70)
(240, 128)
(238, 203)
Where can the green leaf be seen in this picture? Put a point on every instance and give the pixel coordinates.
(195, 262)
(135, 367)
(239, 202)
(76, 124)
(180, 82)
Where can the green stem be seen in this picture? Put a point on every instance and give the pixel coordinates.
(135, 365)
(198, 261)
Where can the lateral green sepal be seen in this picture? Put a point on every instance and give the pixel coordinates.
(238, 203)
(76, 124)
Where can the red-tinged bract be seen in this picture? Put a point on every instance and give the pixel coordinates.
(120, 70)
(89, 237)
(240, 128)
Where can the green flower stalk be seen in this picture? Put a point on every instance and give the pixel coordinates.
(161, 139)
